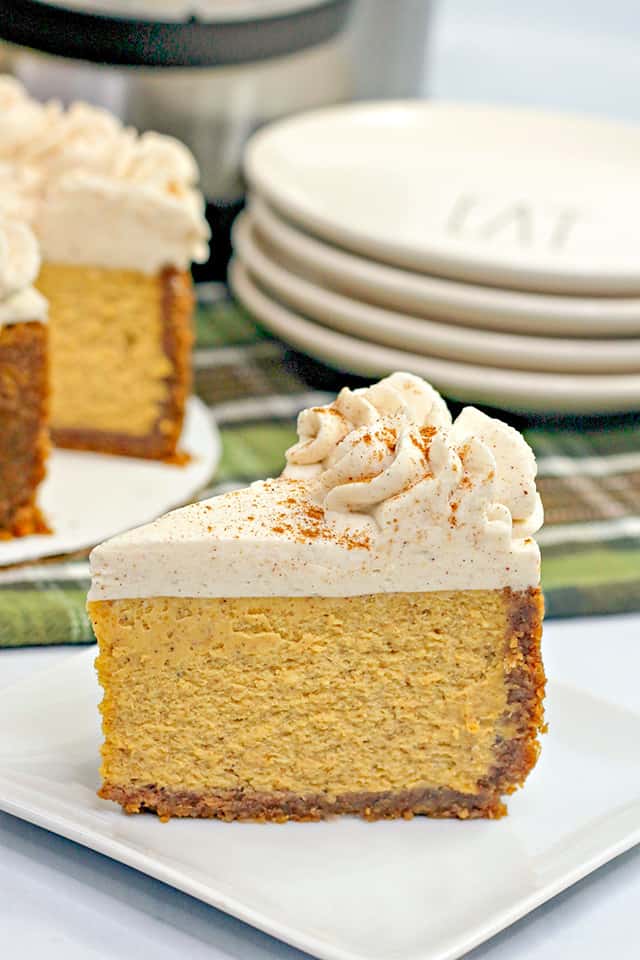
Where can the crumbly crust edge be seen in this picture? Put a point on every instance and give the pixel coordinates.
(23, 517)
(277, 807)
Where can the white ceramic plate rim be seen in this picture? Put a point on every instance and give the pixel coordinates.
(19, 802)
(437, 298)
(517, 390)
(200, 438)
(284, 193)
(426, 337)
(232, 10)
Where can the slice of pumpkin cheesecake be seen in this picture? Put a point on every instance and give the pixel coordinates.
(360, 635)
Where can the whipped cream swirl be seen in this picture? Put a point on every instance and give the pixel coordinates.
(384, 449)
(23, 121)
(321, 429)
(19, 257)
(84, 157)
(19, 266)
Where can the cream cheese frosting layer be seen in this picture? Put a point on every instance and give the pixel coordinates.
(82, 165)
(19, 266)
(382, 493)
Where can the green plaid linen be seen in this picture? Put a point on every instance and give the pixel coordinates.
(589, 478)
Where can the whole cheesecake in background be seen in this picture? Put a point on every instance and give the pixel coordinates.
(24, 382)
(360, 635)
(119, 221)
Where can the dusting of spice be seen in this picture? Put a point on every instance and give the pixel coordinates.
(369, 483)
(303, 520)
(388, 436)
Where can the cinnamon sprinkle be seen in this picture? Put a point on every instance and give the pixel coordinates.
(389, 436)
(330, 409)
(304, 520)
(424, 442)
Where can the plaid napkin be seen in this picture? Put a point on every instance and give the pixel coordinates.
(589, 478)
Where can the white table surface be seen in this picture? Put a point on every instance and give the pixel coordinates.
(64, 902)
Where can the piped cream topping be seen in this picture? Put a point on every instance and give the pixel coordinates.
(382, 493)
(19, 265)
(57, 163)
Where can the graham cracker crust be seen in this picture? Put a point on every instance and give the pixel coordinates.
(24, 437)
(514, 758)
(177, 341)
(277, 807)
(526, 682)
(26, 521)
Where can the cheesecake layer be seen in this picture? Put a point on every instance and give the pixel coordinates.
(296, 708)
(120, 345)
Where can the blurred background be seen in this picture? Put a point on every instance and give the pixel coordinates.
(265, 59)
(565, 56)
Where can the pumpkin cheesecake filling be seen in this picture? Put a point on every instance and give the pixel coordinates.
(111, 338)
(360, 635)
(132, 347)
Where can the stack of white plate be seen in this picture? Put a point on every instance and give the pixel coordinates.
(494, 252)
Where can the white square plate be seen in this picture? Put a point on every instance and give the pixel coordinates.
(345, 889)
